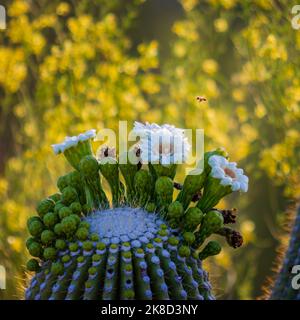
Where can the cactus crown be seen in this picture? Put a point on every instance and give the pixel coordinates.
(143, 245)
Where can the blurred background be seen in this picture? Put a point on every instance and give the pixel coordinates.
(68, 66)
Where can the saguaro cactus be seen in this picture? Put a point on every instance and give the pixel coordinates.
(146, 245)
(284, 288)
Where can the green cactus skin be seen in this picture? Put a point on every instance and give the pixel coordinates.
(282, 288)
(131, 239)
(129, 166)
(164, 192)
(143, 246)
(109, 169)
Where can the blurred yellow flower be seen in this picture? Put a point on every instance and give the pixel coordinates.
(238, 95)
(17, 8)
(260, 110)
(186, 30)
(63, 9)
(223, 259)
(221, 25)
(13, 69)
(242, 113)
(16, 243)
(179, 50)
(189, 5)
(210, 66)
(247, 230)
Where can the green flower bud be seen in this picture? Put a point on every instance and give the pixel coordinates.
(163, 233)
(84, 224)
(33, 265)
(211, 223)
(73, 247)
(92, 271)
(45, 206)
(35, 249)
(164, 191)
(175, 210)
(149, 246)
(80, 259)
(211, 249)
(50, 253)
(34, 218)
(164, 185)
(128, 267)
(50, 219)
(96, 257)
(66, 258)
(94, 237)
(87, 245)
(76, 218)
(76, 207)
(173, 241)
(88, 166)
(192, 218)
(64, 212)
(143, 186)
(188, 237)
(165, 170)
(100, 246)
(36, 227)
(60, 244)
(184, 251)
(126, 254)
(62, 182)
(29, 241)
(58, 206)
(128, 294)
(69, 225)
(69, 195)
(57, 268)
(82, 234)
(47, 236)
(55, 197)
(58, 229)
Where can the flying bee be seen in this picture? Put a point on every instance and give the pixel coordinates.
(201, 99)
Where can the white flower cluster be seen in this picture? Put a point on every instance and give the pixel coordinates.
(73, 141)
(164, 144)
(228, 173)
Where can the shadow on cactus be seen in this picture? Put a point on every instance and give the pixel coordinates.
(146, 244)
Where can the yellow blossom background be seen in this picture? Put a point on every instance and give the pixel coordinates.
(68, 66)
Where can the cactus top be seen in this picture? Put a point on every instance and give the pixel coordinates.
(143, 243)
(124, 224)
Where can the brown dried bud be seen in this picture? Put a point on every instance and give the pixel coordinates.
(229, 215)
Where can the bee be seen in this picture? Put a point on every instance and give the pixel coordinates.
(201, 99)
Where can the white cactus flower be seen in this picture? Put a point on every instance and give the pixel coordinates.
(228, 173)
(105, 152)
(73, 141)
(164, 144)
